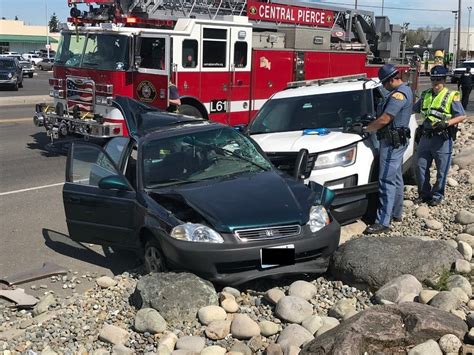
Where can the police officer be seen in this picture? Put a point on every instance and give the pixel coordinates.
(465, 83)
(393, 132)
(441, 112)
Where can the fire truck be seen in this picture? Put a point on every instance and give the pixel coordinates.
(226, 57)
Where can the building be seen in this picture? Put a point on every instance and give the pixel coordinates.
(16, 36)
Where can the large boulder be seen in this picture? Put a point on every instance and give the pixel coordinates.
(369, 262)
(464, 159)
(176, 296)
(387, 329)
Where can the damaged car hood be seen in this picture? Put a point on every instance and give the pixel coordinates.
(246, 201)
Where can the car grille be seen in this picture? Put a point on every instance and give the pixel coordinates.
(4, 77)
(80, 92)
(286, 162)
(267, 233)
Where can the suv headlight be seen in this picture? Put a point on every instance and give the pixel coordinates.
(343, 157)
(318, 218)
(10, 75)
(193, 232)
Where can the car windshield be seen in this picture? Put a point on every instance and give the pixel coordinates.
(7, 64)
(198, 156)
(332, 110)
(98, 51)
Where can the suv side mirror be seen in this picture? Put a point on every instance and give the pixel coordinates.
(301, 164)
(242, 128)
(114, 182)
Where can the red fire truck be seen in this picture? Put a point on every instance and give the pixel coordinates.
(226, 57)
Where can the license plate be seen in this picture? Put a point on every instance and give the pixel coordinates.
(277, 256)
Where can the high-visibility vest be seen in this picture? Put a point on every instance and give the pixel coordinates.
(438, 108)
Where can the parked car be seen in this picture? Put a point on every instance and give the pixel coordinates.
(11, 73)
(195, 195)
(27, 67)
(318, 118)
(459, 71)
(46, 64)
(33, 58)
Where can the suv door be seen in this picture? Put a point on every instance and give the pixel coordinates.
(96, 215)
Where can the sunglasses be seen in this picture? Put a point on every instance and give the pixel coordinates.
(437, 79)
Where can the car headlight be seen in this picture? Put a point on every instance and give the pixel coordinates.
(318, 218)
(194, 232)
(343, 157)
(10, 75)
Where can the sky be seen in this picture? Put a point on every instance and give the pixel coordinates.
(34, 11)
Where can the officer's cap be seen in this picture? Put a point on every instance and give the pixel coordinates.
(386, 72)
(438, 71)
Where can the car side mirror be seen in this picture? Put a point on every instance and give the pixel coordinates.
(242, 128)
(114, 182)
(301, 163)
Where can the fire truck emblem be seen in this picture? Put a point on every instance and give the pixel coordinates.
(265, 63)
(329, 19)
(146, 91)
(253, 10)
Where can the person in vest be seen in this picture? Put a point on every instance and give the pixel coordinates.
(441, 111)
(465, 84)
(393, 133)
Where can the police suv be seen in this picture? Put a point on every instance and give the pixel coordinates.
(320, 116)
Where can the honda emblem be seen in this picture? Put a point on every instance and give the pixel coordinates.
(269, 233)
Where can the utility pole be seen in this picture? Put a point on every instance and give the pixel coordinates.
(468, 53)
(458, 53)
(404, 39)
(383, 4)
(356, 4)
(47, 27)
(455, 51)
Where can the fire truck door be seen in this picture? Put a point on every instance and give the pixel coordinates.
(151, 79)
(240, 64)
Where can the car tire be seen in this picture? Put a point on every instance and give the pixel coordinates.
(40, 67)
(189, 110)
(153, 257)
(30, 75)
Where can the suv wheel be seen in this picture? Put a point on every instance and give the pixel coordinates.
(154, 261)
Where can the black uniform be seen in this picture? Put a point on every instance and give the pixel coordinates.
(466, 86)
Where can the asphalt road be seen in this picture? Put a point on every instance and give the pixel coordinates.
(37, 85)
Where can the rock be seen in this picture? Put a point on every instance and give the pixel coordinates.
(429, 347)
(121, 349)
(350, 230)
(464, 217)
(218, 329)
(464, 158)
(233, 291)
(349, 314)
(408, 203)
(101, 351)
(176, 296)
(328, 324)
(452, 182)
(191, 343)
(48, 351)
(469, 229)
(312, 324)
(342, 307)
(106, 282)
(230, 306)
(240, 347)
(396, 289)
(460, 294)
(445, 300)
(273, 349)
(168, 340)
(470, 305)
(163, 350)
(113, 334)
(470, 335)
(452, 243)
(422, 212)
(184, 352)
(465, 250)
(268, 328)
(243, 327)
(385, 329)
(426, 296)
(255, 343)
(464, 237)
(470, 319)
(293, 309)
(213, 350)
(302, 289)
(274, 295)
(358, 261)
(149, 320)
(433, 224)
(227, 296)
(43, 304)
(459, 313)
(210, 314)
(461, 282)
(462, 266)
(293, 335)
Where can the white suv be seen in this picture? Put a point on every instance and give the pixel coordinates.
(318, 118)
(458, 72)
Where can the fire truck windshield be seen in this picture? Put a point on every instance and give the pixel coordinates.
(95, 51)
(310, 112)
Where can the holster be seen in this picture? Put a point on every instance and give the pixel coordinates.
(418, 134)
(396, 137)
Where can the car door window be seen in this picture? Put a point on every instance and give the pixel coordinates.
(116, 148)
(88, 164)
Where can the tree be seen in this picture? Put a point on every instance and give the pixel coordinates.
(16, 18)
(53, 23)
(419, 37)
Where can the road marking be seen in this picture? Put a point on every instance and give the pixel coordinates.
(30, 189)
(12, 120)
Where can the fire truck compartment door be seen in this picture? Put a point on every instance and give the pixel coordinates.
(96, 214)
(152, 76)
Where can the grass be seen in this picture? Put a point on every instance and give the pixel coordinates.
(441, 284)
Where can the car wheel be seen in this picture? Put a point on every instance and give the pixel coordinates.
(30, 75)
(189, 110)
(154, 261)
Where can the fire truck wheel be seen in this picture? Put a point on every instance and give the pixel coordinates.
(190, 111)
(154, 261)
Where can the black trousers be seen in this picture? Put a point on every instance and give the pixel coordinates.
(465, 96)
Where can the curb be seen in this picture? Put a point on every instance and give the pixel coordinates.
(24, 100)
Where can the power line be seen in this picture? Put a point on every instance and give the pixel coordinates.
(387, 7)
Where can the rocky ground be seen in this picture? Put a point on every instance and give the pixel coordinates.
(268, 316)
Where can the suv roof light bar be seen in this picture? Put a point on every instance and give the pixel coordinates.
(333, 80)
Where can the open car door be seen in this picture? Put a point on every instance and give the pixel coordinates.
(98, 200)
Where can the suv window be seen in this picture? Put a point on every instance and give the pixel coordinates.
(7, 64)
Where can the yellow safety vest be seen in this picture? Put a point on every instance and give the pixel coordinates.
(438, 108)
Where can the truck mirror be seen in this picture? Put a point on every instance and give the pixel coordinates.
(138, 61)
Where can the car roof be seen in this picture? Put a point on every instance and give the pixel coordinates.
(8, 58)
(327, 88)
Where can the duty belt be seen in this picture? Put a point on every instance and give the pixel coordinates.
(394, 136)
